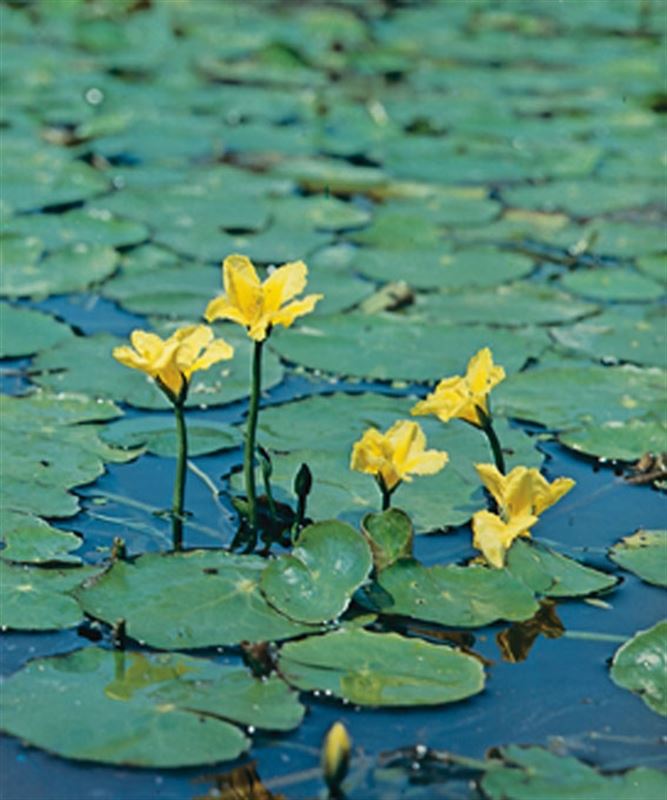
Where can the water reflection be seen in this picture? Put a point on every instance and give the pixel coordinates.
(241, 783)
(516, 641)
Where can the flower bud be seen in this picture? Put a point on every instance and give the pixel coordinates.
(336, 756)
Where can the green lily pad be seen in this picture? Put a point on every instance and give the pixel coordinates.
(392, 346)
(331, 175)
(625, 239)
(639, 665)
(612, 284)
(150, 704)
(45, 453)
(464, 597)
(381, 669)
(645, 554)
(68, 366)
(188, 600)
(512, 306)
(38, 599)
(93, 226)
(315, 581)
(29, 539)
(551, 574)
(623, 441)
(157, 434)
(621, 333)
(654, 267)
(69, 269)
(449, 498)
(531, 772)
(568, 395)
(437, 267)
(390, 536)
(24, 331)
(171, 291)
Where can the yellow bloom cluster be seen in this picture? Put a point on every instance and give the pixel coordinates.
(462, 397)
(396, 455)
(521, 496)
(171, 362)
(260, 306)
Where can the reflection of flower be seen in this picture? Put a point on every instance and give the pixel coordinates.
(523, 491)
(394, 455)
(171, 362)
(259, 306)
(461, 397)
(521, 497)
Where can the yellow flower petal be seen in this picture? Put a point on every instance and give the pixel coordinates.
(283, 284)
(494, 537)
(286, 316)
(242, 286)
(221, 308)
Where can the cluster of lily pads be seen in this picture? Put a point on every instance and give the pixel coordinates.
(443, 206)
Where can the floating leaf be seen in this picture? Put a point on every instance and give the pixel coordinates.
(151, 706)
(195, 599)
(626, 441)
(390, 536)
(31, 540)
(157, 433)
(38, 599)
(645, 554)
(381, 669)
(639, 665)
(532, 772)
(24, 331)
(463, 597)
(612, 284)
(315, 581)
(551, 574)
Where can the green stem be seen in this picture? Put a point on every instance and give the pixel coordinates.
(251, 434)
(386, 493)
(179, 482)
(487, 426)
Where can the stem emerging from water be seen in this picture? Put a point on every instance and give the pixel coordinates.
(251, 434)
(179, 482)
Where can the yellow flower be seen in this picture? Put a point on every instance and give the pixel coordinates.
(523, 491)
(171, 362)
(461, 397)
(259, 306)
(522, 496)
(393, 455)
(494, 537)
(336, 755)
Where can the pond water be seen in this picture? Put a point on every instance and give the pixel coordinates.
(457, 175)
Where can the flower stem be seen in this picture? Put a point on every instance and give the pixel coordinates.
(179, 482)
(487, 426)
(251, 434)
(386, 493)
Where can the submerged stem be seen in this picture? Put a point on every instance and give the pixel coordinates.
(251, 434)
(179, 482)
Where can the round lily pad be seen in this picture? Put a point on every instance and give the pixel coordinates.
(381, 669)
(70, 269)
(527, 773)
(38, 599)
(551, 574)
(645, 554)
(623, 441)
(612, 284)
(466, 597)
(157, 434)
(29, 539)
(69, 366)
(392, 346)
(620, 333)
(148, 704)
(315, 581)
(24, 331)
(639, 665)
(188, 600)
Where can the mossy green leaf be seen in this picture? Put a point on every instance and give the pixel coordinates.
(189, 600)
(381, 669)
(390, 536)
(645, 554)
(639, 665)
